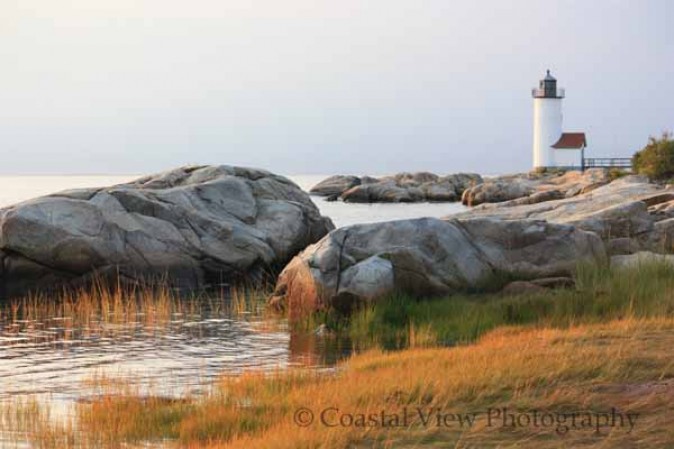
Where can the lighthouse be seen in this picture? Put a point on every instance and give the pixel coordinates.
(552, 147)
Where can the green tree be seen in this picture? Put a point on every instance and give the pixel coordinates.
(656, 160)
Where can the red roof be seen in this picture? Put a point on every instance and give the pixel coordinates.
(571, 140)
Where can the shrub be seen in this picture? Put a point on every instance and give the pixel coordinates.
(656, 160)
(615, 173)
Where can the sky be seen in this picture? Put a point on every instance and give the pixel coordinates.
(323, 86)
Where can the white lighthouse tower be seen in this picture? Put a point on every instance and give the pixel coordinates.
(547, 120)
(552, 147)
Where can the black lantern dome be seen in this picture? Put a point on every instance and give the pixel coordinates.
(547, 88)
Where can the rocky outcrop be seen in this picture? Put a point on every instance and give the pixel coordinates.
(615, 210)
(194, 225)
(428, 256)
(400, 188)
(384, 192)
(663, 210)
(335, 185)
(497, 191)
(623, 246)
(530, 188)
(660, 239)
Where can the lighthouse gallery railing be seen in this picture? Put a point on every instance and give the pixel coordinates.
(540, 93)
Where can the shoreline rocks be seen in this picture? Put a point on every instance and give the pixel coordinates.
(400, 188)
(530, 231)
(428, 257)
(195, 226)
(335, 185)
(529, 188)
(630, 213)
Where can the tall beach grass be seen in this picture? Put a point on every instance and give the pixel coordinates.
(593, 368)
(603, 345)
(600, 295)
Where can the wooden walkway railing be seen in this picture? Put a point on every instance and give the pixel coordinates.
(607, 162)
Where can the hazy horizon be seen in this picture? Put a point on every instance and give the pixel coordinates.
(317, 87)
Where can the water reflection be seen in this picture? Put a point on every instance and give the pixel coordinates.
(176, 352)
(311, 350)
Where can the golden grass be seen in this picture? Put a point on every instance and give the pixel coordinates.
(625, 364)
(619, 358)
(26, 419)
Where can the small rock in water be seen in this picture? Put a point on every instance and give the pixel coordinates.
(322, 331)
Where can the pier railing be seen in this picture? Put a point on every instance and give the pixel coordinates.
(607, 162)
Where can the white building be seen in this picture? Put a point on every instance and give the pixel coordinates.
(552, 147)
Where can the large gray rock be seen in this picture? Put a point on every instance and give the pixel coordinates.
(196, 225)
(428, 256)
(399, 188)
(383, 192)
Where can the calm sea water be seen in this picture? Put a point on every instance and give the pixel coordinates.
(19, 188)
(54, 356)
(344, 214)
